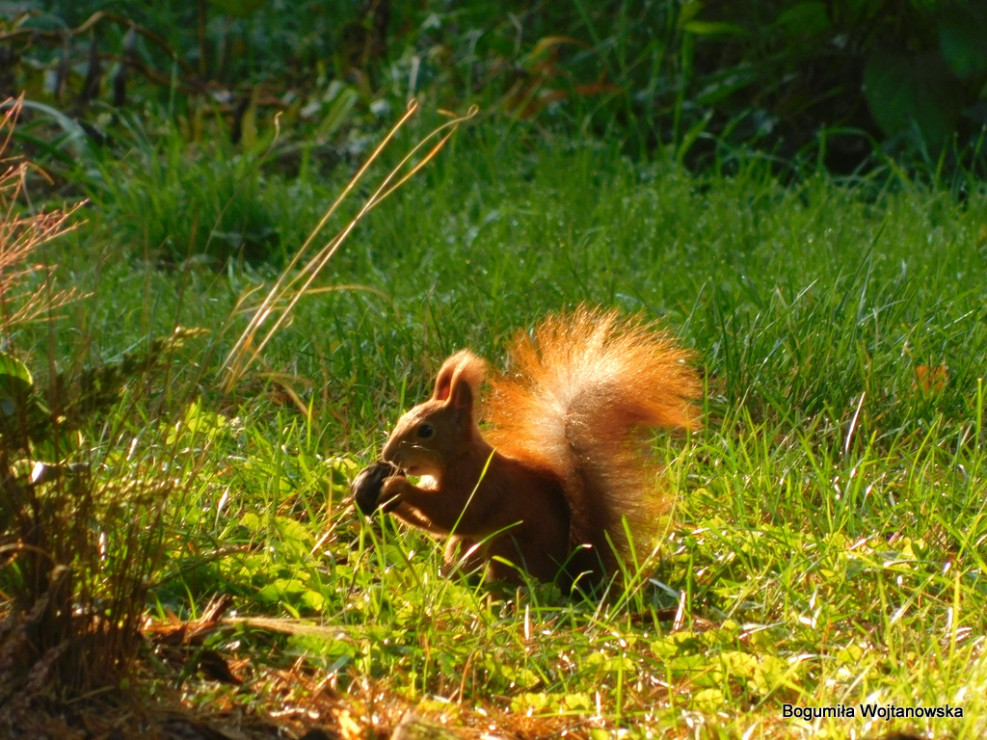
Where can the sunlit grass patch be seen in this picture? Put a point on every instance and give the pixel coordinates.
(827, 538)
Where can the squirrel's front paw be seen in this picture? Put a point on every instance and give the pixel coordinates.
(390, 492)
(368, 486)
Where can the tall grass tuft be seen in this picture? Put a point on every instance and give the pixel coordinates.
(79, 508)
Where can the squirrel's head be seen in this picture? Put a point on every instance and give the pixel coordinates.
(444, 427)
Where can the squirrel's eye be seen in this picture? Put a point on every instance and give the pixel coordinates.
(425, 431)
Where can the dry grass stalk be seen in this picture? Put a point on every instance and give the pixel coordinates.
(294, 281)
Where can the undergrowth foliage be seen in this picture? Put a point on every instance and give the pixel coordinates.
(77, 534)
(844, 83)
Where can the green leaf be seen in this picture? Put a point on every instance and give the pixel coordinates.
(16, 385)
(533, 702)
(689, 11)
(913, 91)
(75, 134)
(709, 701)
(339, 111)
(810, 18)
(296, 538)
(963, 39)
(15, 378)
(714, 28)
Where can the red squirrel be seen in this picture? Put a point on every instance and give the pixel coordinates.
(558, 473)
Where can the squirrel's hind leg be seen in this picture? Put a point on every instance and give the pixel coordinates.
(463, 555)
(493, 560)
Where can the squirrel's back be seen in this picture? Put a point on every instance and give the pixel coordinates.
(580, 397)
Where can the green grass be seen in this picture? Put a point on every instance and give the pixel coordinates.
(827, 547)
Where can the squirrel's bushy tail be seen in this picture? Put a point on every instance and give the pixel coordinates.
(581, 396)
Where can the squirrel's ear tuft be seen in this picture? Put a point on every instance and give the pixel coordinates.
(460, 375)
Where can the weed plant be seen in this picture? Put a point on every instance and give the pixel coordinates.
(79, 518)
